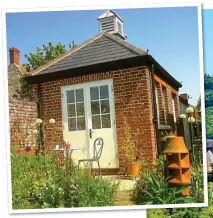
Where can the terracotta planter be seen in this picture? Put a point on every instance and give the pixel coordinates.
(134, 169)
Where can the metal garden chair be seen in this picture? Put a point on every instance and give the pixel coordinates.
(98, 147)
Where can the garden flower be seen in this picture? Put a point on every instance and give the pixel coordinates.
(52, 121)
(191, 119)
(183, 116)
(39, 121)
(27, 148)
(189, 110)
(35, 131)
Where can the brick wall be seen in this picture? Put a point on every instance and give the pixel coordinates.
(22, 114)
(133, 99)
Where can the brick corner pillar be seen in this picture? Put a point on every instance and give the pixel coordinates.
(134, 101)
(148, 134)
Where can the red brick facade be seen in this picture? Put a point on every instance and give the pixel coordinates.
(133, 100)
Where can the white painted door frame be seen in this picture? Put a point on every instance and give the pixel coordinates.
(109, 143)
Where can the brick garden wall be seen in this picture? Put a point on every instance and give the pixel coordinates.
(22, 114)
(133, 100)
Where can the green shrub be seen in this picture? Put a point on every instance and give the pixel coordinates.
(59, 190)
(197, 185)
(94, 192)
(153, 188)
(40, 183)
(206, 212)
(139, 194)
(28, 175)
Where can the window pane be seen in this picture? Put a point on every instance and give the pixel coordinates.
(79, 95)
(71, 110)
(105, 108)
(106, 122)
(94, 93)
(70, 96)
(72, 124)
(104, 93)
(80, 109)
(95, 108)
(81, 123)
(96, 122)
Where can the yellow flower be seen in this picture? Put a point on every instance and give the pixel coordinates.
(183, 116)
(39, 121)
(191, 119)
(52, 121)
(189, 110)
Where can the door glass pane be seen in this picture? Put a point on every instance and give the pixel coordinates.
(81, 123)
(71, 110)
(79, 95)
(94, 93)
(96, 122)
(95, 108)
(106, 123)
(104, 93)
(72, 124)
(105, 106)
(70, 96)
(80, 109)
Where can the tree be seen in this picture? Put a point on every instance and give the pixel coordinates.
(46, 53)
(199, 102)
(208, 81)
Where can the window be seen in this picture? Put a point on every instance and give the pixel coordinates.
(75, 110)
(100, 107)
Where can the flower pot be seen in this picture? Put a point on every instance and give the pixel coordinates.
(67, 146)
(134, 169)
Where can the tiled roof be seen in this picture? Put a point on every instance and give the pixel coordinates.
(105, 47)
(101, 49)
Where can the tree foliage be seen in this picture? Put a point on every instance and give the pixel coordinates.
(40, 57)
(208, 81)
(46, 53)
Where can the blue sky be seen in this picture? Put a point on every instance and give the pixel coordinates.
(170, 34)
(208, 40)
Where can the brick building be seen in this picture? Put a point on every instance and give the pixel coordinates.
(92, 88)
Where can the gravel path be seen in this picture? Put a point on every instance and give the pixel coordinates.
(123, 195)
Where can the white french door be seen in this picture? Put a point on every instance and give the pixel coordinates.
(88, 113)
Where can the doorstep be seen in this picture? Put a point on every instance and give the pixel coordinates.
(106, 171)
